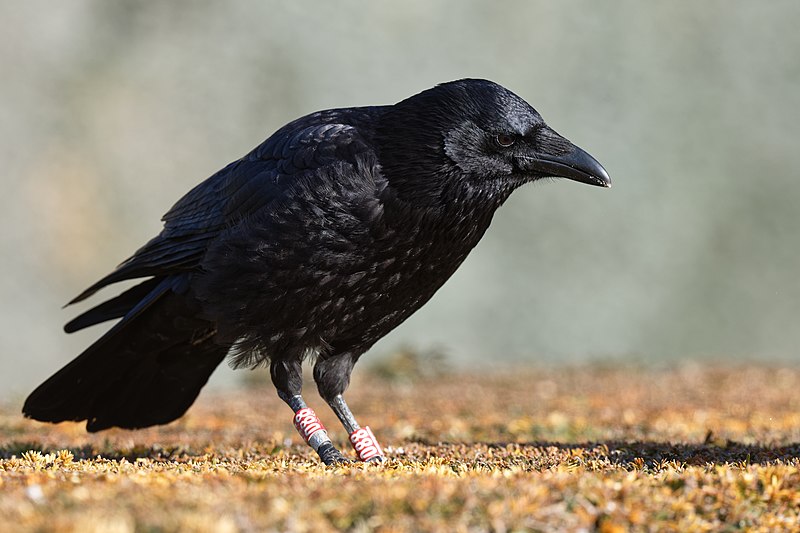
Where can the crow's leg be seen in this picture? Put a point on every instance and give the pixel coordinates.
(288, 379)
(332, 374)
(362, 439)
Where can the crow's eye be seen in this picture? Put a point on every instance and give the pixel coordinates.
(504, 140)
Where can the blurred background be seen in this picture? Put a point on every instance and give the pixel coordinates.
(110, 111)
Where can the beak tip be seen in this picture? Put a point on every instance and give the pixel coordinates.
(594, 169)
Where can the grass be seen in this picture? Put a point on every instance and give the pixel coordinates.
(589, 448)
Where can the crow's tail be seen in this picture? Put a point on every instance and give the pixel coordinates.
(147, 370)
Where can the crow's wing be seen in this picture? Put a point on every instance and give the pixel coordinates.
(301, 149)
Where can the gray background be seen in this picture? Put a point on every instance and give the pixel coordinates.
(109, 111)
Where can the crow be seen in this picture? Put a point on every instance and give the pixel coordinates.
(317, 243)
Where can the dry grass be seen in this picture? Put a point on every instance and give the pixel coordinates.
(587, 448)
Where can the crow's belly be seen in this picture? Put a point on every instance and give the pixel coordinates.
(350, 312)
(321, 292)
(368, 315)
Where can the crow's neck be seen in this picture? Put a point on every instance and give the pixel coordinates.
(456, 217)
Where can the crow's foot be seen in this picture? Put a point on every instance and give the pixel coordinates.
(331, 456)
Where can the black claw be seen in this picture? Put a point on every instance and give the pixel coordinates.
(330, 455)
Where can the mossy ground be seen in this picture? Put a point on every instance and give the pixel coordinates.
(587, 448)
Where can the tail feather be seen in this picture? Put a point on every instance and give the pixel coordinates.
(116, 307)
(147, 370)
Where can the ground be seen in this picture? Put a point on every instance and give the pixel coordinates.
(609, 448)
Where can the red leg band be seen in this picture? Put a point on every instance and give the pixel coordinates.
(365, 444)
(307, 423)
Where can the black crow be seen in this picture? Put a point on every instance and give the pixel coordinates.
(318, 243)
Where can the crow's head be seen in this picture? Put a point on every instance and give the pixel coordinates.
(474, 134)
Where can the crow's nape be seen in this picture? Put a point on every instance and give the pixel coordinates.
(145, 371)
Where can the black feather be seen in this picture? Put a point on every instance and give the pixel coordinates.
(113, 308)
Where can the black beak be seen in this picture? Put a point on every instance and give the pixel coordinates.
(575, 165)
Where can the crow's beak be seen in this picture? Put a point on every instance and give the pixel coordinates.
(575, 165)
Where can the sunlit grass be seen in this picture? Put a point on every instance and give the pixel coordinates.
(604, 448)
